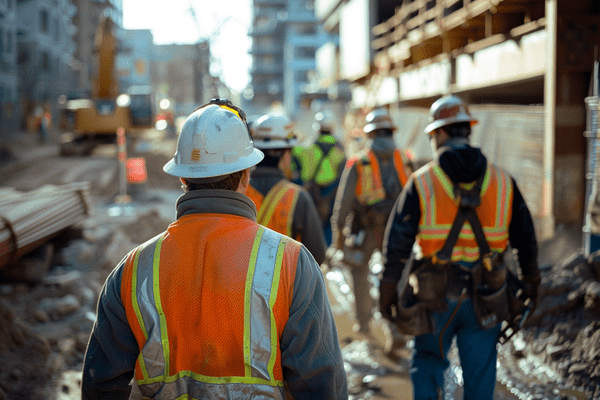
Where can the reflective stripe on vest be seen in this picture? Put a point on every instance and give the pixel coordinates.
(439, 207)
(369, 187)
(278, 206)
(260, 339)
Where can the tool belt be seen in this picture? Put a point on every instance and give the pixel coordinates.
(427, 283)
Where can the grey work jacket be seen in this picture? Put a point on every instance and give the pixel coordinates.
(310, 351)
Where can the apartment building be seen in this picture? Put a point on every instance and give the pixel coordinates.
(8, 67)
(285, 36)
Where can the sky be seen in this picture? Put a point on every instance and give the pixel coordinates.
(225, 23)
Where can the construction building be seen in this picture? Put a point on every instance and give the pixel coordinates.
(523, 65)
(285, 36)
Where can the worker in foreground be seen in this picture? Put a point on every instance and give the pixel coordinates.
(282, 205)
(318, 168)
(370, 184)
(217, 306)
(458, 289)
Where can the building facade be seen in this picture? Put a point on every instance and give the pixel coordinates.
(45, 50)
(285, 37)
(8, 68)
(180, 73)
(136, 54)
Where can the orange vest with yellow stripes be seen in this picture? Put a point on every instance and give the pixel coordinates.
(276, 209)
(369, 187)
(439, 208)
(207, 302)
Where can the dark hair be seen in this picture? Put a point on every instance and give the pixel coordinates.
(458, 129)
(272, 157)
(231, 182)
(381, 132)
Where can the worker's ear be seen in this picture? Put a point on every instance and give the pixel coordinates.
(244, 181)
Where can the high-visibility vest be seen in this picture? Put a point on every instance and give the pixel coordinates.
(276, 209)
(439, 208)
(207, 302)
(320, 162)
(369, 186)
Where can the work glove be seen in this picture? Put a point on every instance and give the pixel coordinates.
(530, 290)
(388, 300)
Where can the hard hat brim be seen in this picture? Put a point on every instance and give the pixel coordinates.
(378, 125)
(448, 121)
(209, 171)
(275, 144)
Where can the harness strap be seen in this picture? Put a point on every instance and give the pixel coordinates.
(325, 148)
(469, 200)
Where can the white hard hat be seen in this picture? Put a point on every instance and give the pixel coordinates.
(378, 119)
(448, 110)
(324, 121)
(214, 142)
(274, 132)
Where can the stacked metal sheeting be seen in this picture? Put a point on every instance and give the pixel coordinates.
(30, 219)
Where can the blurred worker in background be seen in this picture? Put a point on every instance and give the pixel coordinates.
(318, 168)
(217, 306)
(459, 180)
(372, 180)
(282, 205)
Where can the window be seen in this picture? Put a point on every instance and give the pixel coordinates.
(56, 29)
(45, 61)
(22, 57)
(9, 42)
(44, 21)
(1, 42)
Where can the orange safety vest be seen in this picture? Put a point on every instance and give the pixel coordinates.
(439, 208)
(369, 187)
(276, 209)
(207, 302)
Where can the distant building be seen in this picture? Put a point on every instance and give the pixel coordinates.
(180, 73)
(285, 36)
(45, 49)
(8, 68)
(136, 54)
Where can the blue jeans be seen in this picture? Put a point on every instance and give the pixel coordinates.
(477, 352)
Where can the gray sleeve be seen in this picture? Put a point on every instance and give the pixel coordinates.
(310, 351)
(345, 201)
(308, 224)
(112, 349)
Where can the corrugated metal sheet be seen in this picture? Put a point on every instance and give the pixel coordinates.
(30, 219)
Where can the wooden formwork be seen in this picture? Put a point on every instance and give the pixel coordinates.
(423, 29)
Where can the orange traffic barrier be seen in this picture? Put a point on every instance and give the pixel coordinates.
(136, 170)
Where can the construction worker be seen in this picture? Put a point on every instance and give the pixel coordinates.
(282, 205)
(318, 168)
(217, 306)
(371, 181)
(459, 180)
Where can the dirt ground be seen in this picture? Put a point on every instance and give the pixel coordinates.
(45, 323)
